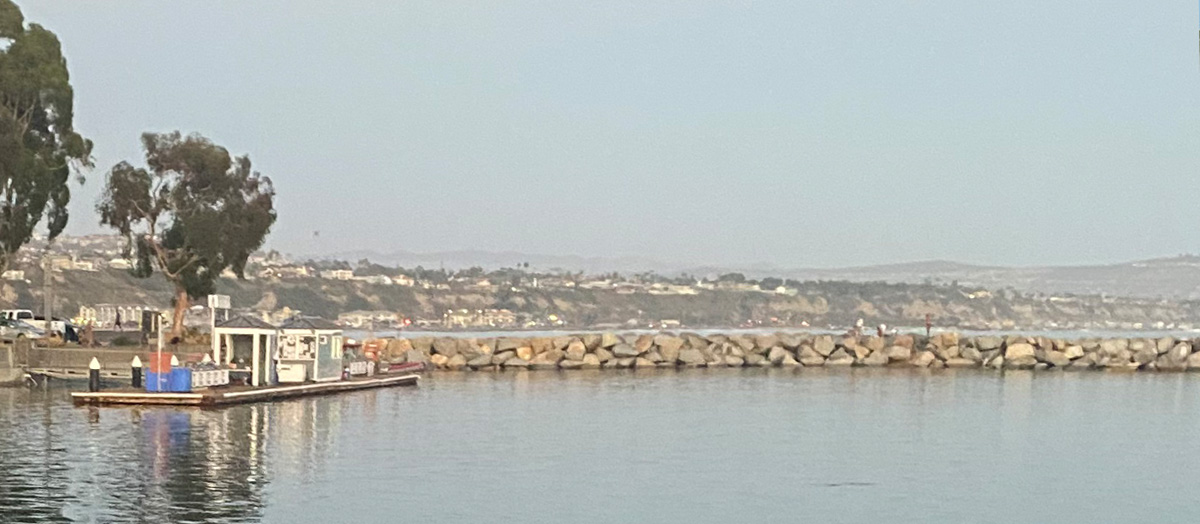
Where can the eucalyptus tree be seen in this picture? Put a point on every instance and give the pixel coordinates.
(191, 213)
(39, 147)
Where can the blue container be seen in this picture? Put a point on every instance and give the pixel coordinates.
(157, 382)
(181, 380)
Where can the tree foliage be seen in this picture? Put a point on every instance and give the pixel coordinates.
(192, 213)
(39, 148)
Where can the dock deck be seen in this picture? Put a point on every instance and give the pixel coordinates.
(224, 396)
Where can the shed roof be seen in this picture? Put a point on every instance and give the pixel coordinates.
(309, 323)
(245, 322)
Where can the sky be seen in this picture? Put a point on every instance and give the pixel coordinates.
(795, 133)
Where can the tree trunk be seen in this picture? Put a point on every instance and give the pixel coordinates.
(181, 307)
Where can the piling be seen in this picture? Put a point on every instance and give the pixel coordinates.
(94, 375)
(136, 372)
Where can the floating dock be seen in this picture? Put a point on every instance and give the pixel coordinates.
(224, 396)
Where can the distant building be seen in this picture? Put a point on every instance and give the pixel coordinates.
(404, 280)
(13, 274)
(285, 272)
(465, 318)
(337, 274)
(379, 280)
(83, 265)
(120, 263)
(104, 316)
(369, 319)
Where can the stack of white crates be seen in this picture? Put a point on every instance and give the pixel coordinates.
(210, 377)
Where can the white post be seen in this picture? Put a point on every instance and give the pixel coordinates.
(255, 364)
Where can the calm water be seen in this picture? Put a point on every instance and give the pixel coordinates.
(691, 446)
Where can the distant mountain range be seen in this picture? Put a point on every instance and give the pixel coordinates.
(1174, 278)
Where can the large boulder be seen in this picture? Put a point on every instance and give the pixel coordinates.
(776, 355)
(1057, 359)
(525, 352)
(670, 352)
(480, 362)
(945, 352)
(416, 355)
(643, 343)
(397, 348)
(1022, 361)
(1193, 361)
(546, 360)
(840, 358)
(643, 362)
(961, 363)
(472, 348)
(988, 343)
(608, 340)
(1113, 347)
(823, 345)
(743, 342)
(695, 341)
(516, 362)
(734, 362)
(947, 339)
(591, 341)
(445, 346)
(503, 356)
(1145, 355)
(439, 361)
(790, 340)
(903, 341)
(1073, 351)
(691, 357)
(754, 359)
(971, 354)
(507, 344)
(625, 351)
(603, 355)
(764, 343)
(1019, 350)
(668, 343)
(570, 364)
(898, 353)
(423, 344)
(1087, 361)
(590, 361)
(809, 357)
(1164, 344)
(575, 350)
(876, 358)
(923, 359)
(457, 362)
(563, 342)
(874, 343)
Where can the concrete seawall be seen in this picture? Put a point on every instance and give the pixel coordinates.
(612, 350)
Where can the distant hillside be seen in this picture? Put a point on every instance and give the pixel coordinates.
(819, 304)
(1174, 278)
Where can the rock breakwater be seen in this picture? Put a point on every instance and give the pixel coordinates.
(945, 350)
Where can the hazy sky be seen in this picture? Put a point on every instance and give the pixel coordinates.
(799, 133)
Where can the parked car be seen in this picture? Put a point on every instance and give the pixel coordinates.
(16, 314)
(16, 329)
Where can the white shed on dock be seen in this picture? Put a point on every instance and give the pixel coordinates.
(247, 341)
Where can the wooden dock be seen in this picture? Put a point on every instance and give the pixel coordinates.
(224, 396)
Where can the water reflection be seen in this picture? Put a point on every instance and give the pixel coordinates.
(59, 463)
